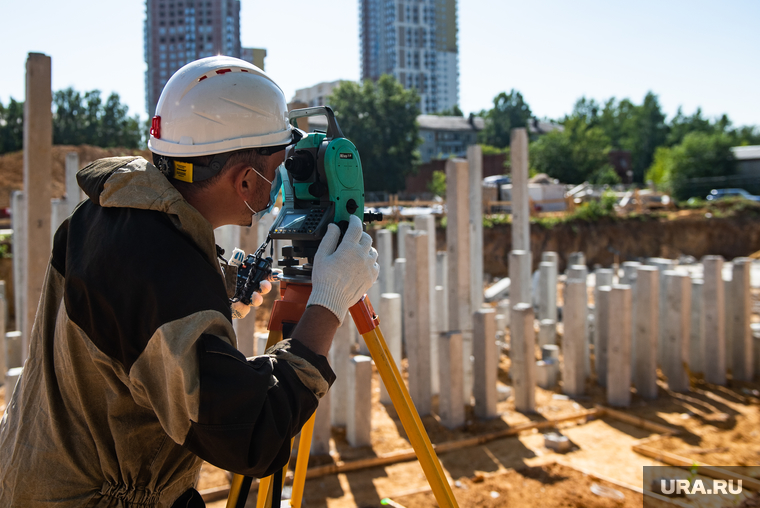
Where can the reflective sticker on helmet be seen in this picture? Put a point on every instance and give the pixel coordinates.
(155, 127)
(183, 171)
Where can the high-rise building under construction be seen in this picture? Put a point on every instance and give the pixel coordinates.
(416, 42)
(180, 31)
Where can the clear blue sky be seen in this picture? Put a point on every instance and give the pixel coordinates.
(690, 53)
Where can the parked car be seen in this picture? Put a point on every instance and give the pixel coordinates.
(731, 193)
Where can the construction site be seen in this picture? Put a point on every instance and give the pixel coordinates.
(553, 360)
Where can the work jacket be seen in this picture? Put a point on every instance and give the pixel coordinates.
(133, 376)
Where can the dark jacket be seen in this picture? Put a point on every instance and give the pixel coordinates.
(133, 375)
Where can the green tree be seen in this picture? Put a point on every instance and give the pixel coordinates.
(455, 111)
(84, 119)
(438, 184)
(577, 154)
(639, 129)
(746, 135)
(380, 118)
(117, 129)
(681, 125)
(11, 126)
(509, 111)
(699, 155)
(649, 131)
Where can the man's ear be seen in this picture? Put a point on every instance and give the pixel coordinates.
(244, 181)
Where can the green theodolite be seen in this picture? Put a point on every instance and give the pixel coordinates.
(322, 183)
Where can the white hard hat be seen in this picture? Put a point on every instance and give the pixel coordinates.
(219, 104)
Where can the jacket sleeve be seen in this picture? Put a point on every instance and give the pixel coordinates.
(235, 413)
(250, 409)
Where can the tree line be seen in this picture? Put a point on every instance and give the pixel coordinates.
(380, 118)
(78, 119)
(668, 153)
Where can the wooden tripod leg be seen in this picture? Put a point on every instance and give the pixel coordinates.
(409, 417)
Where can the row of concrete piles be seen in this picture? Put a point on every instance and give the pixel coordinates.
(686, 320)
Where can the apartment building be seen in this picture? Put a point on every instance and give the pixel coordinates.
(416, 42)
(179, 31)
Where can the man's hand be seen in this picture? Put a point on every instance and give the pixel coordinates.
(342, 275)
(241, 310)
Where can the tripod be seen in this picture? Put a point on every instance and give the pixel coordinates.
(285, 315)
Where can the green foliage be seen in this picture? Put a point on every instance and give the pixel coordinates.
(509, 111)
(729, 207)
(438, 184)
(606, 175)
(637, 129)
(493, 150)
(572, 156)
(699, 155)
(490, 221)
(659, 172)
(84, 119)
(681, 125)
(455, 111)
(5, 246)
(78, 119)
(381, 120)
(11, 126)
(747, 135)
(596, 209)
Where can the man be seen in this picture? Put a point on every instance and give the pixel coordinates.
(133, 377)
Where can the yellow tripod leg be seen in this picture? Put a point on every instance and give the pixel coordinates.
(409, 417)
(235, 487)
(302, 462)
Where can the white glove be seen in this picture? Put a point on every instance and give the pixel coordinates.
(342, 276)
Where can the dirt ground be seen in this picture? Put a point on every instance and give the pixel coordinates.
(717, 426)
(11, 167)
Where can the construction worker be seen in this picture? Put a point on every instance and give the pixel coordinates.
(133, 377)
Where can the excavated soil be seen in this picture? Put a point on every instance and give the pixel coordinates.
(12, 167)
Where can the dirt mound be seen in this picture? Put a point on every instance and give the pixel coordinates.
(12, 167)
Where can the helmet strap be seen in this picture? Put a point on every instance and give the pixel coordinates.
(187, 171)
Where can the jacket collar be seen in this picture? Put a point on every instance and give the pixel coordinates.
(133, 182)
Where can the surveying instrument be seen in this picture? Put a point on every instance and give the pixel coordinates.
(322, 184)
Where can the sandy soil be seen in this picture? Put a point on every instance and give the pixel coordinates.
(716, 424)
(11, 167)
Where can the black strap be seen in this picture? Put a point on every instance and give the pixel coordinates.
(245, 488)
(277, 488)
